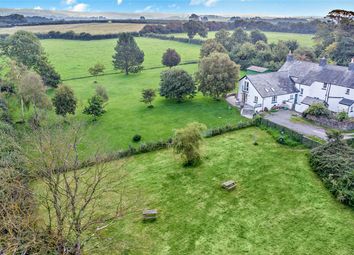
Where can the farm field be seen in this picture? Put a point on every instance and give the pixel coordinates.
(92, 28)
(126, 116)
(303, 39)
(278, 207)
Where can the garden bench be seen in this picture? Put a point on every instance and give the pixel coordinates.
(150, 214)
(229, 185)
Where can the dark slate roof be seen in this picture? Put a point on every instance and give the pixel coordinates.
(346, 101)
(273, 84)
(257, 69)
(307, 72)
(311, 101)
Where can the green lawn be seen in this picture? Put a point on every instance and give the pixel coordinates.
(126, 116)
(303, 39)
(279, 206)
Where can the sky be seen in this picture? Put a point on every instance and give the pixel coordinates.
(242, 7)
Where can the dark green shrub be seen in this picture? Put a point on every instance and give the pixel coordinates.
(318, 110)
(342, 116)
(137, 138)
(334, 163)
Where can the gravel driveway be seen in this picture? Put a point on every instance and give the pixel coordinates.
(283, 118)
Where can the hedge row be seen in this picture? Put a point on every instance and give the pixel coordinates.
(159, 145)
(173, 38)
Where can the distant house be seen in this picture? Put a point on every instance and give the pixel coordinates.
(204, 19)
(299, 84)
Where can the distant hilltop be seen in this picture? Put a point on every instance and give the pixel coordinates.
(70, 15)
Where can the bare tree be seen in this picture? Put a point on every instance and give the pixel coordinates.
(72, 194)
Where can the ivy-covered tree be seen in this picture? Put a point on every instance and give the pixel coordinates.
(171, 58)
(177, 84)
(217, 75)
(64, 101)
(128, 56)
(50, 76)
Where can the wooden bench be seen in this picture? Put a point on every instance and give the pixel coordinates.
(229, 185)
(150, 215)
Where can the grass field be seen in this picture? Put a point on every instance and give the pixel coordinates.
(126, 116)
(303, 39)
(278, 207)
(92, 28)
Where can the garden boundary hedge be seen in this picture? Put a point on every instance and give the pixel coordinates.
(308, 142)
(155, 146)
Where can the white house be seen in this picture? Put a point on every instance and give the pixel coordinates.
(298, 84)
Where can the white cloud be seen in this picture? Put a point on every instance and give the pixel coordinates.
(207, 3)
(119, 2)
(149, 8)
(69, 2)
(38, 8)
(81, 7)
(172, 6)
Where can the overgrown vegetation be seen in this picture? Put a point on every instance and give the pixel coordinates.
(334, 163)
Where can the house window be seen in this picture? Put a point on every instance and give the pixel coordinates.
(274, 99)
(347, 92)
(324, 86)
(301, 92)
(246, 86)
(256, 99)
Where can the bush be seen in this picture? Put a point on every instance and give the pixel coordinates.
(342, 116)
(102, 92)
(318, 110)
(334, 163)
(137, 138)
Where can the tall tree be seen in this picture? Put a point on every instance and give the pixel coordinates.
(32, 92)
(217, 75)
(171, 58)
(223, 37)
(177, 84)
(64, 101)
(23, 47)
(211, 46)
(239, 36)
(128, 56)
(192, 28)
(257, 35)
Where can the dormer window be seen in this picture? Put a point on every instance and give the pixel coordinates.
(324, 86)
(301, 92)
(347, 92)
